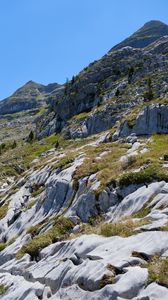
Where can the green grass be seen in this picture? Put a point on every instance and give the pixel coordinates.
(148, 175)
(164, 227)
(3, 289)
(106, 279)
(143, 212)
(37, 190)
(2, 246)
(108, 168)
(65, 162)
(59, 231)
(81, 116)
(124, 228)
(3, 211)
(34, 230)
(31, 204)
(158, 270)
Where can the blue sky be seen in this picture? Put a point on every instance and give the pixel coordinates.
(50, 40)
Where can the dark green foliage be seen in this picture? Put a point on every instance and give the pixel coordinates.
(31, 137)
(117, 93)
(148, 95)
(165, 157)
(66, 87)
(13, 146)
(130, 74)
(2, 147)
(73, 80)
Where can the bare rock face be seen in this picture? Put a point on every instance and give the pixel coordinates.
(152, 119)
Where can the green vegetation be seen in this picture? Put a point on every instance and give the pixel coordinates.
(3, 211)
(59, 231)
(130, 74)
(151, 164)
(65, 162)
(37, 189)
(3, 289)
(124, 228)
(164, 227)
(81, 116)
(31, 137)
(147, 175)
(107, 168)
(148, 95)
(158, 270)
(2, 246)
(6, 146)
(143, 212)
(31, 204)
(106, 279)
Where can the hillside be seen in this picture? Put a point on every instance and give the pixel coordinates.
(84, 200)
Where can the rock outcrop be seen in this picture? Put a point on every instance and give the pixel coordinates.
(152, 119)
(87, 266)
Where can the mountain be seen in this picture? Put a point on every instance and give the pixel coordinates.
(84, 199)
(29, 96)
(102, 93)
(19, 111)
(150, 32)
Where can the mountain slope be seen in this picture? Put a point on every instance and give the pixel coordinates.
(107, 89)
(146, 35)
(84, 211)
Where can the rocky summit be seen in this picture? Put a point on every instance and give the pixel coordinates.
(84, 180)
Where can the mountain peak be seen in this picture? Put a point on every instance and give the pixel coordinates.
(154, 22)
(147, 34)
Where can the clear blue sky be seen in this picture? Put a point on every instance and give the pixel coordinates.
(50, 40)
